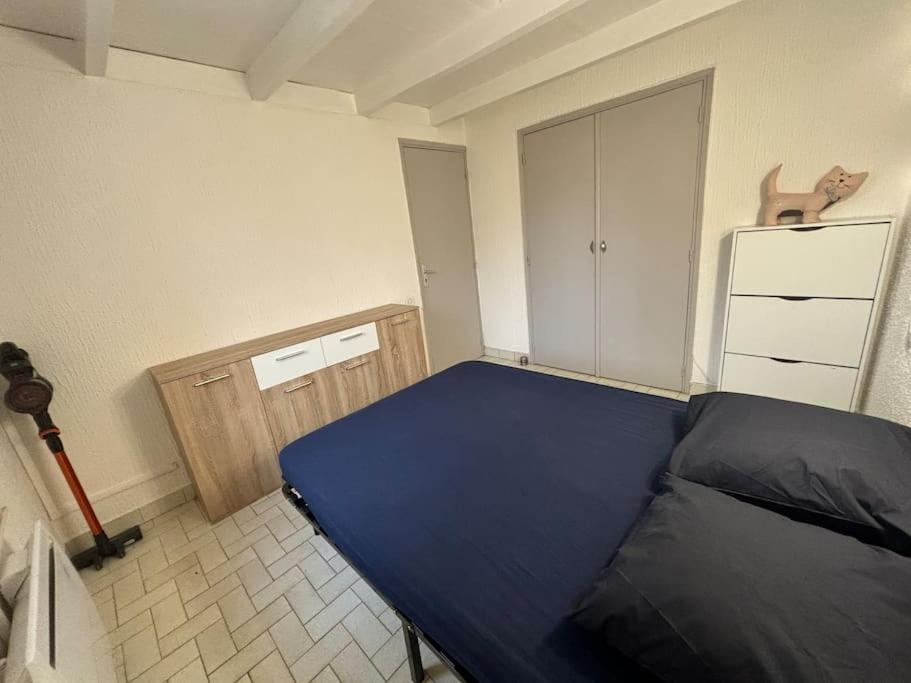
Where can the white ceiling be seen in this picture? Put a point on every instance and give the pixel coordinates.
(565, 29)
(231, 34)
(388, 31)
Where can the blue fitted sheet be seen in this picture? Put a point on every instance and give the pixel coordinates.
(484, 500)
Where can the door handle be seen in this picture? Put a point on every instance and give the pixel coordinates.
(591, 247)
(603, 246)
(425, 274)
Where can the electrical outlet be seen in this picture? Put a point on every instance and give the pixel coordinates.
(410, 301)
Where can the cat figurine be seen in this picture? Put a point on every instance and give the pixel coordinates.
(834, 186)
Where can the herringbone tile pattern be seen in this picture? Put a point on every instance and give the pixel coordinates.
(256, 598)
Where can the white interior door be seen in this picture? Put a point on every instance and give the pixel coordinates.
(437, 188)
(649, 162)
(559, 192)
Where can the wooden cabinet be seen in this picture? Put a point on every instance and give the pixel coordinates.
(233, 409)
(222, 430)
(358, 382)
(402, 349)
(301, 405)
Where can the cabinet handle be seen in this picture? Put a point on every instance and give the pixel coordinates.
(807, 228)
(299, 386)
(209, 380)
(291, 355)
(357, 364)
(349, 337)
(796, 298)
(785, 360)
(401, 322)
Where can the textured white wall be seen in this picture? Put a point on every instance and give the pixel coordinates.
(18, 496)
(810, 84)
(141, 224)
(889, 389)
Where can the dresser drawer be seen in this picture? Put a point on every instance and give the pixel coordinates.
(287, 363)
(824, 385)
(832, 261)
(828, 331)
(355, 341)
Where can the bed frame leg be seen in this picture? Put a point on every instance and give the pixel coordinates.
(413, 648)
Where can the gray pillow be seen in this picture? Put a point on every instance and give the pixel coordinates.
(709, 588)
(853, 472)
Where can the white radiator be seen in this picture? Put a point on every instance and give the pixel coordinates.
(57, 633)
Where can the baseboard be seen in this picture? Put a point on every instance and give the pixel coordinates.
(696, 388)
(515, 356)
(147, 512)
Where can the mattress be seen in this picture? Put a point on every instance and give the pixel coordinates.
(483, 501)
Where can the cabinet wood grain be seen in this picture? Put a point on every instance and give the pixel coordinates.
(402, 348)
(301, 405)
(221, 427)
(230, 431)
(358, 382)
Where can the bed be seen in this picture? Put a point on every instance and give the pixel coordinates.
(482, 502)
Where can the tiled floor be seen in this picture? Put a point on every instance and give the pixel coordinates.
(255, 598)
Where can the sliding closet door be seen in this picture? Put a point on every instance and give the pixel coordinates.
(559, 236)
(649, 162)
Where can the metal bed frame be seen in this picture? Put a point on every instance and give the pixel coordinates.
(410, 631)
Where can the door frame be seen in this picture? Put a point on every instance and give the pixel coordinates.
(412, 143)
(706, 77)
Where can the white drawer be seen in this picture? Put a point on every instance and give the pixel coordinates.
(824, 385)
(832, 261)
(356, 341)
(287, 363)
(820, 330)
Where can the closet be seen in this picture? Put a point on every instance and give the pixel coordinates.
(611, 209)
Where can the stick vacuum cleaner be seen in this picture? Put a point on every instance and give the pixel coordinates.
(31, 394)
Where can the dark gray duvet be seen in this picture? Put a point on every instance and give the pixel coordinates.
(709, 588)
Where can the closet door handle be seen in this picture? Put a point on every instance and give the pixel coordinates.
(603, 246)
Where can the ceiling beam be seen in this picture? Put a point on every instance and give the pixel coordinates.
(653, 21)
(501, 26)
(314, 24)
(98, 18)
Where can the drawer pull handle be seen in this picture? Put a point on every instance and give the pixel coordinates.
(209, 380)
(807, 228)
(349, 337)
(299, 386)
(796, 298)
(357, 364)
(293, 354)
(401, 322)
(785, 360)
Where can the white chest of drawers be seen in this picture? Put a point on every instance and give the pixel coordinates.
(802, 309)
